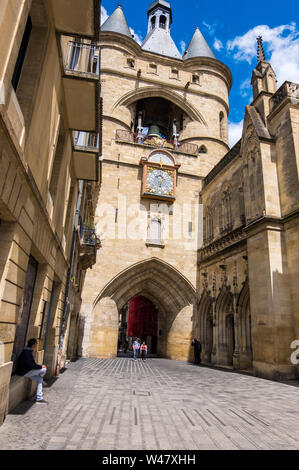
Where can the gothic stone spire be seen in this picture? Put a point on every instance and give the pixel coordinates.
(260, 50)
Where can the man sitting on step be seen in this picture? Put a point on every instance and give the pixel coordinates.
(27, 367)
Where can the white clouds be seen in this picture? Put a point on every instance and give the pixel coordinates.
(218, 44)
(245, 88)
(137, 37)
(282, 44)
(182, 47)
(210, 27)
(234, 132)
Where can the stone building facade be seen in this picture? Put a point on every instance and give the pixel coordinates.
(248, 284)
(161, 113)
(49, 150)
(207, 233)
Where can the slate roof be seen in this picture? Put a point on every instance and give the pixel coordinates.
(163, 3)
(258, 123)
(198, 47)
(159, 41)
(117, 23)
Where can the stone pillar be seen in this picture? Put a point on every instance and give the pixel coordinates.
(5, 373)
(104, 329)
(178, 345)
(271, 310)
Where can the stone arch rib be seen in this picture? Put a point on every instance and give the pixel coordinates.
(152, 275)
(161, 92)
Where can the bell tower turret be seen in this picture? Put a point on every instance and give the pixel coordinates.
(158, 37)
(159, 16)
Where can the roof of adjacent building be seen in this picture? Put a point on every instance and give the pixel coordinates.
(117, 23)
(259, 125)
(198, 47)
(159, 41)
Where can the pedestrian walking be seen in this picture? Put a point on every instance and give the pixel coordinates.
(136, 348)
(197, 350)
(27, 367)
(143, 349)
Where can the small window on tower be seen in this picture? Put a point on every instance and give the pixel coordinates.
(153, 22)
(131, 62)
(174, 73)
(152, 68)
(195, 78)
(221, 125)
(162, 22)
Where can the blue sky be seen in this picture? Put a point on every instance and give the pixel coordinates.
(230, 28)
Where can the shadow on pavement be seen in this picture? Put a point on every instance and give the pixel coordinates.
(50, 382)
(23, 407)
(293, 383)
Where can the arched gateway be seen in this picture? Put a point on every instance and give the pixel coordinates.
(172, 294)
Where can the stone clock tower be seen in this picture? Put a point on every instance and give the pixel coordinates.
(164, 128)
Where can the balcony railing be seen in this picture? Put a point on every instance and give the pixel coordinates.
(82, 58)
(157, 142)
(90, 243)
(287, 90)
(86, 140)
(89, 238)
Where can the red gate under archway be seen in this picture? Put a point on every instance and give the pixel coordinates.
(143, 320)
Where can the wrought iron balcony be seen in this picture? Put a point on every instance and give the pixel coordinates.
(90, 243)
(82, 58)
(287, 90)
(89, 238)
(157, 142)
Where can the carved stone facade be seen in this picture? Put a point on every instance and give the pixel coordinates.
(248, 299)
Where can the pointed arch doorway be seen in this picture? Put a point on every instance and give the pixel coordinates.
(166, 288)
(225, 328)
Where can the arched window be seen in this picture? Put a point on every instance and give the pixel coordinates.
(155, 231)
(162, 22)
(209, 224)
(221, 125)
(225, 210)
(153, 22)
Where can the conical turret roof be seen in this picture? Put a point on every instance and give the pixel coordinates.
(117, 23)
(198, 47)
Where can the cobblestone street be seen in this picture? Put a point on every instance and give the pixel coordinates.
(159, 404)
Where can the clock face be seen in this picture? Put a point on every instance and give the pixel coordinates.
(159, 182)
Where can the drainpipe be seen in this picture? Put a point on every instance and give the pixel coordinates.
(49, 317)
(69, 272)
